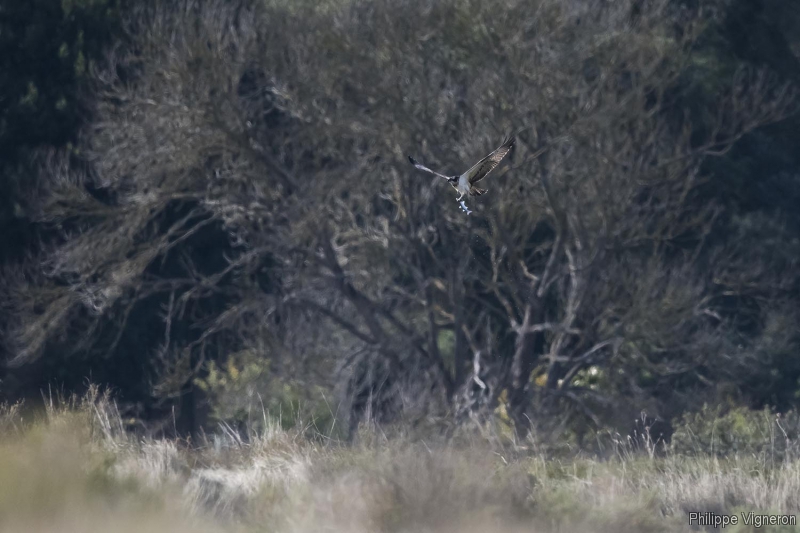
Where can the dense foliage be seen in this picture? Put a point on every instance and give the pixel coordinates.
(47, 51)
(238, 223)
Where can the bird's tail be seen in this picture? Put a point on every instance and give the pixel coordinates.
(477, 192)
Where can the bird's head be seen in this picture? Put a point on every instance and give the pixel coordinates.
(453, 179)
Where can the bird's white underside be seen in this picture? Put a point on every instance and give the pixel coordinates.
(462, 186)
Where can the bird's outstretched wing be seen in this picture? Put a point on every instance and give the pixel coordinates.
(488, 163)
(426, 169)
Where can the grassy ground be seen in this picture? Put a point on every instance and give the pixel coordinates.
(75, 470)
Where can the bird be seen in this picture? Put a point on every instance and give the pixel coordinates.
(465, 183)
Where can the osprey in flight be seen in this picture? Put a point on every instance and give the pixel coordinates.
(465, 183)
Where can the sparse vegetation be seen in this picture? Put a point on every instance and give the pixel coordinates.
(75, 469)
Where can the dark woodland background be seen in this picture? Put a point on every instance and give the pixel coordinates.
(207, 207)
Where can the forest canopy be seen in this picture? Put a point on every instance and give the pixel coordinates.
(235, 220)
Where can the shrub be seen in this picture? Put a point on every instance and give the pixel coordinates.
(714, 430)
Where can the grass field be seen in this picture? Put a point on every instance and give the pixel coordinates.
(74, 470)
